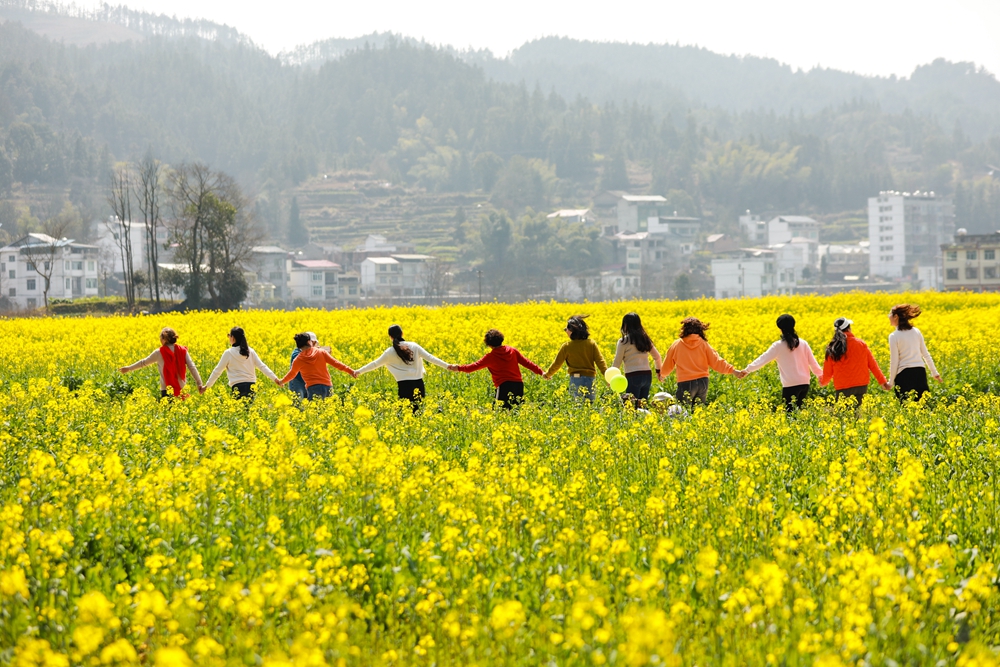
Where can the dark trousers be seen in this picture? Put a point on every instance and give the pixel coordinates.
(910, 383)
(639, 383)
(243, 390)
(692, 391)
(413, 391)
(854, 394)
(793, 396)
(511, 393)
(315, 391)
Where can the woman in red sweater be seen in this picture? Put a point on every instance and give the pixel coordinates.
(502, 361)
(848, 363)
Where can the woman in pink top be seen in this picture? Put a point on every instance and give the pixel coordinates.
(794, 358)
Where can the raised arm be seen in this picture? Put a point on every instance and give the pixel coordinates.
(192, 368)
(262, 367)
(297, 364)
(428, 356)
(718, 364)
(217, 371)
(340, 366)
(557, 364)
(669, 362)
(153, 358)
(372, 365)
(473, 367)
(927, 357)
(811, 359)
(528, 363)
(770, 354)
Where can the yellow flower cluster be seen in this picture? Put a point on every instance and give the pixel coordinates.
(352, 532)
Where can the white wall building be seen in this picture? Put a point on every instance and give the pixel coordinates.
(313, 280)
(751, 272)
(74, 270)
(571, 215)
(784, 228)
(754, 228)
(270, 264)
(791, 260)
(906, 231)
(112, 230)
(396, 275)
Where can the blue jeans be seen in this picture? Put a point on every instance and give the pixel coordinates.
(581, 385)
(318, 391)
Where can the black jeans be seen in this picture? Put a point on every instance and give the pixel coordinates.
(243, 390)
(413, 391)
(693, 391)
(315, 391)
(511, 393)
(910, 381)
(639, 383)
(853, 394)
(794, 396)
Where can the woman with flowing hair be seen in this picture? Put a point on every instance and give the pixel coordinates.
(794, 358)
(848, 363)
(693, 357)
(405, 361)
(632, 355)
(908, 354)
(241, 363)
(173, 361)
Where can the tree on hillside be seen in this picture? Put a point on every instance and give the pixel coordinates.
(149, 196)
(495, 235)
(615, 176)
(215, 233)
(487, 168)
(119, 197)
(519, 185)
(298, 235)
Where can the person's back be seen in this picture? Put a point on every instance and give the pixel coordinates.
(693, 357)
(297, 384)
(582, 356)
(852, 369)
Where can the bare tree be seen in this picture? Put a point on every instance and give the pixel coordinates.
(42, 257)
(215, 231)
(120, 198)
(437, 280)
(148, 193)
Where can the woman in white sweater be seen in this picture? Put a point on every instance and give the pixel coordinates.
(240, 363)
(794, 358)
(907, 354)
(404, 359)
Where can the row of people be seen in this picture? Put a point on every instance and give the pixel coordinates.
(848, 362)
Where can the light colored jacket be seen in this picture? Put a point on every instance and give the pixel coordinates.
(399, 368)
(793, 365)
(239, 368)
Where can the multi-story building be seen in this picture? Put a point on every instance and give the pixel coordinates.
(784, 228)
(748, 272)
(110, 233)
(754, 228)
(313, 280)
(906, 231)
(270, 264)
(581, 215)
(838, 261)
(72, 270)
(970, 263)
(399, 275)
(602, 286)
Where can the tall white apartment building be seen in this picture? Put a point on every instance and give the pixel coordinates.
(906, 231)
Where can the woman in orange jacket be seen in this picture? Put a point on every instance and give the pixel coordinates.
(692, 356)
(848, 363)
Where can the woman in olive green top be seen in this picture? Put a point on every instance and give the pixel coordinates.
(581, 355)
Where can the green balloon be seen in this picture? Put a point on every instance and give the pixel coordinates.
(619, 384)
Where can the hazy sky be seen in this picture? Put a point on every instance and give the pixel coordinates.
(867, 36)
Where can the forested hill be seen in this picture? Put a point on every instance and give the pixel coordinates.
(552, 124)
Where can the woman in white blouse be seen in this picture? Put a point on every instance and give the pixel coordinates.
(908, 354)
(404, 359)
(241, 364)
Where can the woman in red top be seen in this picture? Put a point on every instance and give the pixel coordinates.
(173, 361)
(848, 362)
(503, 361)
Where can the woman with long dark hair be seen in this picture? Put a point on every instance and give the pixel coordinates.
(908, 354)
(404, 359)
(240, 362)
(173, 361)
(694, 357)
(848, 363)
(581, 355)
(632, 354)
(794, 358)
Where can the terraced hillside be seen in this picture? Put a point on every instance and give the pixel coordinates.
(344, 207)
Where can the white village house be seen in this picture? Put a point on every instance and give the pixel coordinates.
(73, 270)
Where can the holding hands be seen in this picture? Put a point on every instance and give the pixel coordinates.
(740, 374)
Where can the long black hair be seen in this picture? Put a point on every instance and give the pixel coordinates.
(240, 340)
(633, 332)
(577, 328)
(405, 353)
(787, 325)
(837, 349)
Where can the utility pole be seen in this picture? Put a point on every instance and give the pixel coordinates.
(479, 272)
(743, 281)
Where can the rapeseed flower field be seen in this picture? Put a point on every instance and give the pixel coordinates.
(353, 532)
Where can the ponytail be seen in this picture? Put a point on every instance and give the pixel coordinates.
(405, 353)
(787, 325)
(837, 348)
(240, 340)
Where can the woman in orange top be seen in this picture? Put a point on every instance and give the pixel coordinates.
(692, 356)
(848, 363)
(311, 362)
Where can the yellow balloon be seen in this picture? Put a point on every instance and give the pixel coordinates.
(612, 373)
